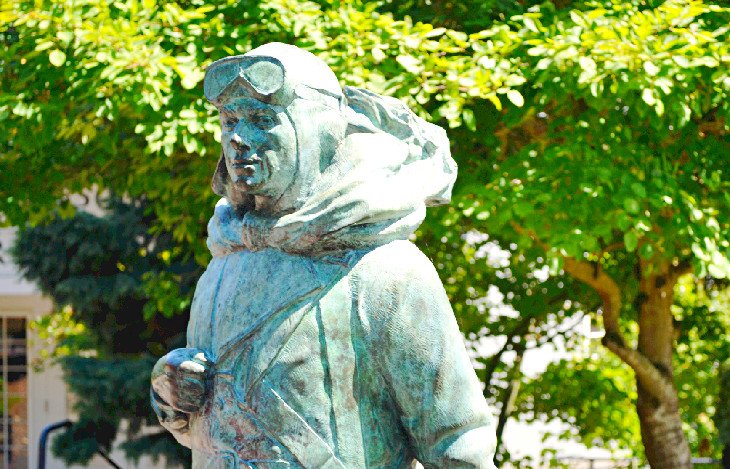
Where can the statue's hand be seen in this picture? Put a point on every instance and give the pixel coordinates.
(181, 380)
(176, 422)
(170, 418)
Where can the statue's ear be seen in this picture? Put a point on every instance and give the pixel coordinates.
(220, 178)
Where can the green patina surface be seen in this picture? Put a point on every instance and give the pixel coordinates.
(320, 337)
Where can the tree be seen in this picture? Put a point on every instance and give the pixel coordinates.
(94, 268)
(621, 186)
(591, 136)
(722, 419)
(593, 395)
(612, 168)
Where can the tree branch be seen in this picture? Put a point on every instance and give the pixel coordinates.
(593, 276)
(651, 379)
(608, 290)
(603, 284)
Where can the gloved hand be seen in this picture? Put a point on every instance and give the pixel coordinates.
(181, 378)
(180, 385)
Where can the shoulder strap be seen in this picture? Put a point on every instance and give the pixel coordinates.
(298, 437)
(336, 311)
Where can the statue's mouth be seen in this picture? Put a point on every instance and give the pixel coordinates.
(247, 166)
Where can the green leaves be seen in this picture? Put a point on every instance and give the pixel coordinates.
(638, 189)
(56, 57)
(516, 98)
(469, 120)
(631, 241)
(587, 393)
(650, 68)
(631, 205)
(659, 51)
(410, 64)
(648, 96)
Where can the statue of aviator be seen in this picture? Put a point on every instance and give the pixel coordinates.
(320, 336)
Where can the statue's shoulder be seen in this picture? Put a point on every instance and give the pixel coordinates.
(398, 295)
(394, 265)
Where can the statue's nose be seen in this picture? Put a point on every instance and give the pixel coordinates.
(238, 144)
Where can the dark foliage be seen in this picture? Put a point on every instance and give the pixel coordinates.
(99, 267)
(722, 414)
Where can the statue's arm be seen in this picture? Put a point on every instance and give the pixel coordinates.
(415, 342)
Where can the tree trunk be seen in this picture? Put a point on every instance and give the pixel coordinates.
(664, 441)
(510, 394)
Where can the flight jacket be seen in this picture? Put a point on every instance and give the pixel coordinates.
(351, 360)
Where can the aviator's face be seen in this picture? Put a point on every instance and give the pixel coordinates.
(259, 146)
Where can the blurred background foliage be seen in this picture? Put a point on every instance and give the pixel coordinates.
(592, 140)
(109, 332)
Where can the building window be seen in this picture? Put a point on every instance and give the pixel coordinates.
(14, 386)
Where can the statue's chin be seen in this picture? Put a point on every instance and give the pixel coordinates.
(247, 195)
(247, 184)
(250, 185)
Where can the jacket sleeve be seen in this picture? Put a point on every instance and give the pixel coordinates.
(412, 336)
